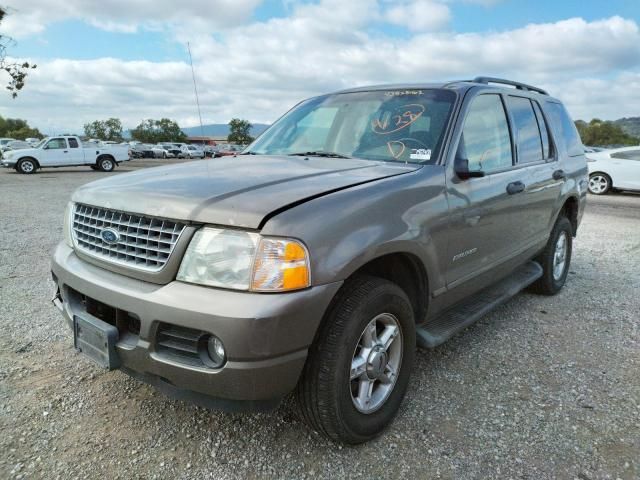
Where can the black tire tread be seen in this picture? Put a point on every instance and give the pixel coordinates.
(315, 401)
(545, 284)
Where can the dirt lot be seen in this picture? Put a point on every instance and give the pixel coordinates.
(540, 388)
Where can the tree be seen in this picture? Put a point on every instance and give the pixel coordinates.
(154, 131)
(18, 129)
(239, 131)
(17, 71)
(603, 133)
(110, 129)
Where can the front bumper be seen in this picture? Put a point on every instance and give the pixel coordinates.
(266, 336)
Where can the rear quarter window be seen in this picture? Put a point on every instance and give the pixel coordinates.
(564, 129)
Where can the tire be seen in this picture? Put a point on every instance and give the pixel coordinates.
(106, 164)
(27, 166)
(328, 394)
(599, 183)
(555, 273)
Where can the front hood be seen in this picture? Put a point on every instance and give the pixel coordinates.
(20, 152)
(238, 191)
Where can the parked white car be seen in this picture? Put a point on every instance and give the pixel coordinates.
(617, 169)
(65, 151)
(4, 142)
(191, 151)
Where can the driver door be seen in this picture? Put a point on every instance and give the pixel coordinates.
(55, 153)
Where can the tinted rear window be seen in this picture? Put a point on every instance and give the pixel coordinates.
(564, 129)
(527, 132)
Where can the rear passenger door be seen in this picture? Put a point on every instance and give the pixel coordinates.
(76, 154)
(536, 155)
(625, 169)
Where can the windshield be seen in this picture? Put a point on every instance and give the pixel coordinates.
(40, 143)
(387, 125)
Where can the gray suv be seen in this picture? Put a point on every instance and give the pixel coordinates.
(360, 225)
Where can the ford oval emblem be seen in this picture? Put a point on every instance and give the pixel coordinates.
(109, 236)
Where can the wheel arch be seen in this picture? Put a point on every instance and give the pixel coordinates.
(570, 209)
(106, 155)
(405, 270)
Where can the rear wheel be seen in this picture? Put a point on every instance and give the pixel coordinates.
(358, 368)
(555, 259)
(27, 166)
(599, 183)
(106, 164)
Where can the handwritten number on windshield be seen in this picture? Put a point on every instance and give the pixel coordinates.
(401, 117)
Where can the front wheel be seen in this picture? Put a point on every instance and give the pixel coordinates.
(555, 259)
(105, 164)
(27, 166)
(358, 368)
(599, 183)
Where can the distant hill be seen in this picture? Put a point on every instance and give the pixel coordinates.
(630, 126)
(221, 129)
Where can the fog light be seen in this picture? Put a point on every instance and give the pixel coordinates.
(215, 348)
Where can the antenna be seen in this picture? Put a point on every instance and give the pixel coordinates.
(195, 89)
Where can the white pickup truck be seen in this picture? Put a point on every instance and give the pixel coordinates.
(65, 151)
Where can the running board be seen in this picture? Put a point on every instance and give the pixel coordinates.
(459, 317)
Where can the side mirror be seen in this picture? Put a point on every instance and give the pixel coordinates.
(463, 172)
(46, 147)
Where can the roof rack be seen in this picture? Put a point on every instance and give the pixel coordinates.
(518, 85)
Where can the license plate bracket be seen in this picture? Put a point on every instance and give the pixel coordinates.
(97, 340)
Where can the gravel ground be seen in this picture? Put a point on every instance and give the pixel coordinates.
(540, 388)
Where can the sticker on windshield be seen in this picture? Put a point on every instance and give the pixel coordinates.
(420, 154)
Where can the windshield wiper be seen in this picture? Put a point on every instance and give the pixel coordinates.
(319, 153)
(249, 153)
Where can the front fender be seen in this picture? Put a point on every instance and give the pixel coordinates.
(347, 229)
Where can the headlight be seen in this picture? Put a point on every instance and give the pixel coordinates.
(68, 223)
(245, 261)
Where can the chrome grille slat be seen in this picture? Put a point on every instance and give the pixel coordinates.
(145, 243)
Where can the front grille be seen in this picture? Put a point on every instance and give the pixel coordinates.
(144, 243)
(181, 344)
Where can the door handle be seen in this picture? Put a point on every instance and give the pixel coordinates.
(559, 175)
(66, 151)
(515, 187)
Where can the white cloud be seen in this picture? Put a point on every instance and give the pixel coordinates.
(28, 17)
(419, 15)
(259, 70)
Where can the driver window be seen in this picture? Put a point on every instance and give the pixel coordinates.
(56, 143)
(485, 141)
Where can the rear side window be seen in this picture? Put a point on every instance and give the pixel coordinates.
(627, 155)
(73, 143)
(544, 131)
(527, 133)
(563, 127)
(485, 141)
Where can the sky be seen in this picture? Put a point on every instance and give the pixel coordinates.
(255, 59)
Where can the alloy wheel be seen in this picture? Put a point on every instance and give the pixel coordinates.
(376, 363)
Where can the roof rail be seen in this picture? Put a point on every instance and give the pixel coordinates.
(518, 85)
